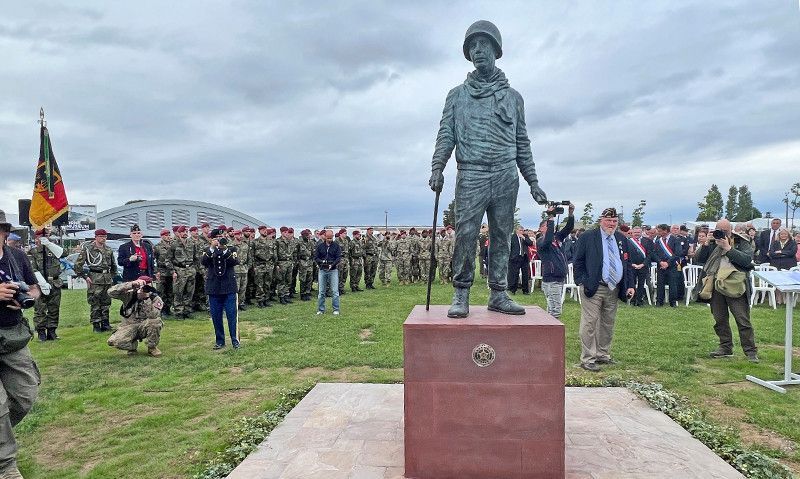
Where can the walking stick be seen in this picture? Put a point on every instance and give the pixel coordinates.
(432, 269)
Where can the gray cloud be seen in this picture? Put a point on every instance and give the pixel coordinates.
(314, 113)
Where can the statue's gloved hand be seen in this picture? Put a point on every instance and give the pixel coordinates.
(437, 180)
(539, 196)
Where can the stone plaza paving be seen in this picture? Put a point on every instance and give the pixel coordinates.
(355, 431)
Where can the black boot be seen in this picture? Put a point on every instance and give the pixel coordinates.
(242, 307)
(105, 325)
(460, 305)
(267, 304)
(500, 302)
(166, 312)
(96, 328)
(42, 335)
(282, 300)
(288, 301)
(51, 334)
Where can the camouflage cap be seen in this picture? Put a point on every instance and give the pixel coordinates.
(609, 213)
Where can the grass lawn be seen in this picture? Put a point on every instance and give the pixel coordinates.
(102, 414)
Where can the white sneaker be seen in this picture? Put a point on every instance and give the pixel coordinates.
(320, 312)
(336, 313)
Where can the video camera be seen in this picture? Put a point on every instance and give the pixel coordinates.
(718, 234)
(558, 206)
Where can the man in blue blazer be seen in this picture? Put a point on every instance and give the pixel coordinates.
(669, 252)
(603, 271)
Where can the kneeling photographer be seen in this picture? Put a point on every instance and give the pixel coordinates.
(19, 377)
(141, 316)
(727, 258)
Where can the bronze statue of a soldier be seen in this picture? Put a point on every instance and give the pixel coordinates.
(484, 120)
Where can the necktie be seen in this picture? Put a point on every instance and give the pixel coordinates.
(613, 274)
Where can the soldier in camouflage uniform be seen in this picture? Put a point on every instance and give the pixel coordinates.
(286, 252)
(370, 259)
(356, 261)
(307, 247)
(45, 259)
(182, 256)
(264, 262)
(385, 248)
(201, 243)
(99, 259)
(296, 265)
(344, 265)
(244, 257)
(444, 256)
(425, 255)
(141, 316)
(164, 272)
(413, 239)
(403, 258)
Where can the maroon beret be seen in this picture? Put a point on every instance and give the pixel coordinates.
(146, 279)
(193, 228)
(624, 228)
(175, 229)
(205, 225)
(222, 227)
(40, 232)
(180, 229)
(262, 227)
(290, 230)
(357, 232)
(237, 232)
(100, 232)
(270, 231)
(164, 232)
(284, 229)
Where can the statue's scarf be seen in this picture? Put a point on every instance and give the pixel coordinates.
(496, 86)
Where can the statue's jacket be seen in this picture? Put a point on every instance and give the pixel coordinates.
(485, 123)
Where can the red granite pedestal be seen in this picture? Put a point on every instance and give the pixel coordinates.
(465, 419)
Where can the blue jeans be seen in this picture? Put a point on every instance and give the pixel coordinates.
(326, 277)
(218, 302)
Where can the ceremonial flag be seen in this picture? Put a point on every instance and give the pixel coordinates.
(49, 197)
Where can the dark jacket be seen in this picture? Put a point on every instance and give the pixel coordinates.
(650, 249)
(637, 256)
(554, 261)
(783, 258)
(516, 254)
(221, 277)
(675, 246)
(327, 256)
(130, 269)
(763, 245)
(588, 265)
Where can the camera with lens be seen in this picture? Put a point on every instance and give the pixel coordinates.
(151, 292)
(718, 234)
(21, 296)
(558, 206)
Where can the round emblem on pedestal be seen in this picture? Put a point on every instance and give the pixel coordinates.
(483, 355)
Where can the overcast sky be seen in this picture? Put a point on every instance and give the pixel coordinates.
(327, 112)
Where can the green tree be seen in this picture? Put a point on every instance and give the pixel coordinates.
(732, 204)
(449, 214)
(746, 210)
(711, 206)
(588, 215)
(792, 202)
(637, 217)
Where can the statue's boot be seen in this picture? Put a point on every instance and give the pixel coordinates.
(500, 302)
(460, 306)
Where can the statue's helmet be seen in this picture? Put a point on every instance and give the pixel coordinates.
(487, 28)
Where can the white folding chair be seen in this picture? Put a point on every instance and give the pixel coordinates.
(569, 284)
(537, 273)
(794, 268)
(762, 288)
(766, 267)
(653, 278)
(691, 273)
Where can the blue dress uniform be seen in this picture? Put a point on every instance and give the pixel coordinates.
(221, 288)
